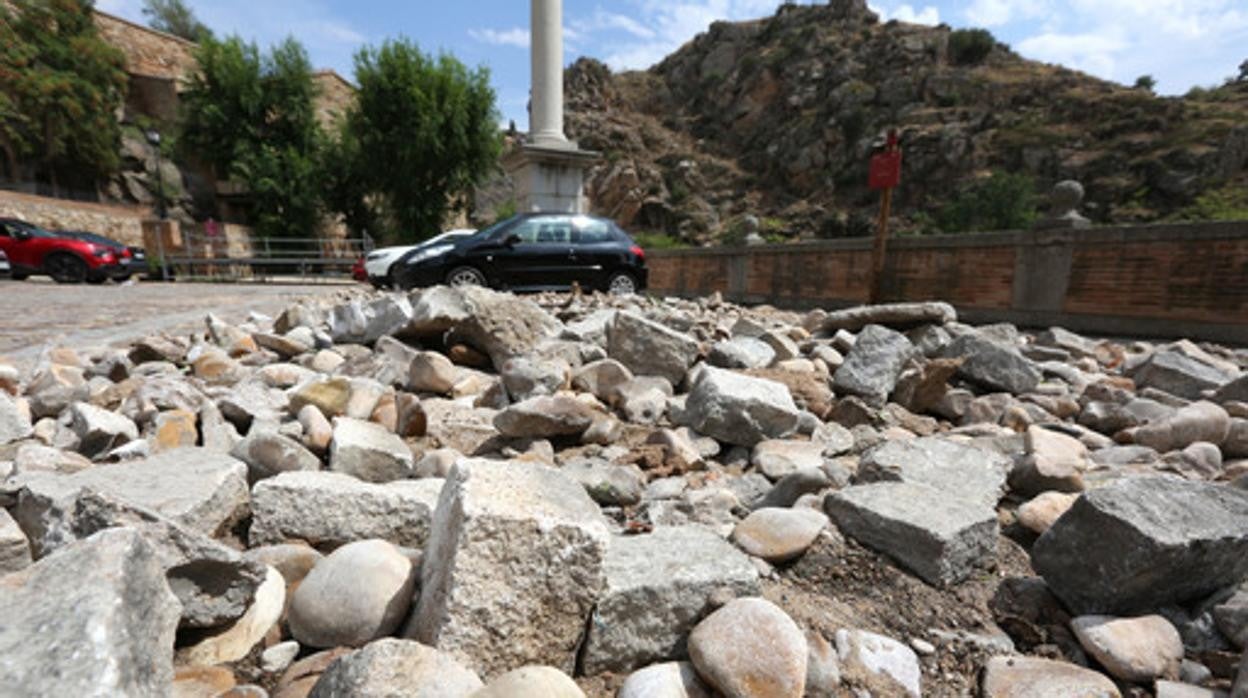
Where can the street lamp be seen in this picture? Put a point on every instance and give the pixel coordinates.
(153, 137)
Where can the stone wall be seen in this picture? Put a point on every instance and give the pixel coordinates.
(122, 223)
(1162, 280)
(335, 97)
(149, 53)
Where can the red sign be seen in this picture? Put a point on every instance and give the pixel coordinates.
(885, 170)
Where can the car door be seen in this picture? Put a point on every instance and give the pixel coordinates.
(541, 256)
(22, 251)
(597, 252)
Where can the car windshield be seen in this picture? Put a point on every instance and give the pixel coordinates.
(489, 232)
(35, 231)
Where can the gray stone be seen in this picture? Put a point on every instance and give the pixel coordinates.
(235, 641)
(390, 667)
(993, 365)
(601, 378)
(518, 544)
(1138, 650)
(940, 538)
(364, 323)
(608, 484)
(791, 487)
(1231, 617)
(904, 315)
(544, 417)
(592, 328)
(871, 369)
(1235, 391)
(369, 451)
(1073, 344)
(1175, 689)
(503, 326)
(740, 410)
(357, 594)
(961, 471)
(778, 458)
(668, 680)
(14, 548)
(1179, 374)
(251, 402)
(750, 648)
(267, 454)
(1020, 677)
(118, 639)
(199, 489)
(1054, 462)
(650, 349)
(742, 352)
(332, 509)
(431, 372)
(864, 652)
(1139, 543)
(436, 310)
(1236, 444)
(100, 431)
(526, 377)
(1200, 421)
(14, 423)
(658, 586)
(532, 682)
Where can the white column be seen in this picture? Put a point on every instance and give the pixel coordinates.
(546, 101)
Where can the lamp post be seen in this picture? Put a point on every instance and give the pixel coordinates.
(153, 137)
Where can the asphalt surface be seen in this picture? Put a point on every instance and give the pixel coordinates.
(37, 312)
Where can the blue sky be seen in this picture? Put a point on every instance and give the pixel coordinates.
(1181, 43)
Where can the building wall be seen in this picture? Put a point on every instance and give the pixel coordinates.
(149, 53)
(1164, 280)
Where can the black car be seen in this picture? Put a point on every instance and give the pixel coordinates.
(533, 252)
(132, 259)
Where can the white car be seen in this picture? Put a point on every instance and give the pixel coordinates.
(378, 263)
(4, 263)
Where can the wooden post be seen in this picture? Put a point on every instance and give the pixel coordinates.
(879, 253)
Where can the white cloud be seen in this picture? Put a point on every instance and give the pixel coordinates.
(671, 23)
(995, 13)
(517, 36)
(1092, 53)
(928, 15)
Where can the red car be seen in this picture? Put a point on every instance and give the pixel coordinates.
(32, 250)
(358, 272)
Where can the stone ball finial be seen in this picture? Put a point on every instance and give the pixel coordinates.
(1066, 197)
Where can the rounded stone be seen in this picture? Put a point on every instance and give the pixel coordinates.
(1038, 514)
(358, 593)
(668, 680)
(1032, 677)
(779, 535)
(1139, 650)
(750, 648)
(391, 667)
(532, 682)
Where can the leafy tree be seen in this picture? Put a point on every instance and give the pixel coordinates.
(1243, 72)
(177, 18)
(1146, 83)
(1004, 201)
(970, 46)
(424, 130)
(60, 85)
(253, 118)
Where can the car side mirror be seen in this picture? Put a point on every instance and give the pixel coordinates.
(21, 235)
(512, 240)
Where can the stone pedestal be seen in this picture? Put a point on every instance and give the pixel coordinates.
(550, 179)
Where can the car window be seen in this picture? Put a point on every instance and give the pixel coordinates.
(593, 230)
(544, 230)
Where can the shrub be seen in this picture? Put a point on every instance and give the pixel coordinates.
(658, 241)
(1145, 82)
(1004, 201)
(970, 46)
(1230, 203)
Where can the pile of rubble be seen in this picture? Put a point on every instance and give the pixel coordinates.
(463, 492)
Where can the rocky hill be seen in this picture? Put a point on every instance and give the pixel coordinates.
(773, 121)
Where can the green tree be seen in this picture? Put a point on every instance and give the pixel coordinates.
(424, 130)
(177, 18)
(1146, 82)
(1004, 201)
(970, 46)
(253, 119)
(60, 86)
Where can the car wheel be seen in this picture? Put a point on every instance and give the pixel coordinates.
(20, 277)
(66, 269)
(465, 276)
(621, 284)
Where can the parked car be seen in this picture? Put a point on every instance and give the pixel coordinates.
(32, 250)
(533, 251)
(358, 272)
(380, 263)
(134, 259)
(4, 263)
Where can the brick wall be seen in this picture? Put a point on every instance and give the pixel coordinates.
(1163, 280)
(149, 53)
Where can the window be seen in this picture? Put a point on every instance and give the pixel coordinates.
(546, 230)
(593, 230)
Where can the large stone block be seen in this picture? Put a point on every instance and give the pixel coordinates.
(1138, 544)
(650, 349)
(96, 619)
(392, 667)
(993, 365)
(203, 490)
(658, 587)
(873, 365)
(966, 472)
(331, 509)
(512, 569)
(940, 538)
(739, 409)
(14, 423)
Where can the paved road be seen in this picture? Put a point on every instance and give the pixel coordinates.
(36, 312)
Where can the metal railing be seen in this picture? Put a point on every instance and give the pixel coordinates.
(246, 257)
